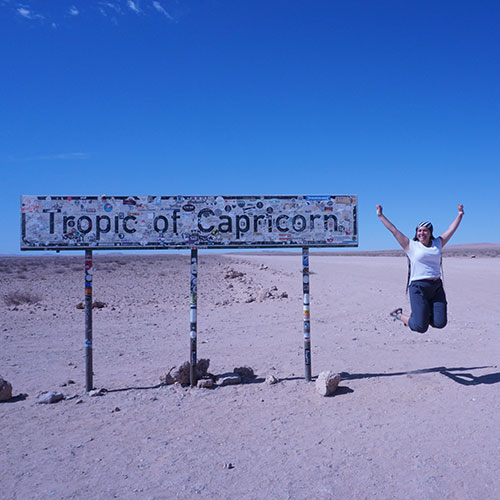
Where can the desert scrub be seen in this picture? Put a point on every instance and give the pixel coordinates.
(18, 298)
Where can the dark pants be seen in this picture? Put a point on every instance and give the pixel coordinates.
(428, 305)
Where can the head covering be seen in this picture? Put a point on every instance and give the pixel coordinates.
(426, 224)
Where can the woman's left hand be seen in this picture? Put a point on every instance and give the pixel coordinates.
(460, 209)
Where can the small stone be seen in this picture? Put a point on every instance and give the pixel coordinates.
(284, 295)
(80, 305)
(205, 383)
(228, 379)
(228, 466)
(232, 274)
(78, 401)
(271, 379)
(264, 294)
(5, 390)
(50, 397)
(115, 409)
(250, 299)
(327, 383)
(97, 392)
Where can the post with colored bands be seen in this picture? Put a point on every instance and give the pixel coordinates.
(193, 315)
(88, 320)
(307, 312)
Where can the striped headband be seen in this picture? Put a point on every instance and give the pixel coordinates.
(426, 224)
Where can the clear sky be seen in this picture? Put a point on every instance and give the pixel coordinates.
(395, 101)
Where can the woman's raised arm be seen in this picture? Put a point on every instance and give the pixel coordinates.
(400, 237)
(445, 237)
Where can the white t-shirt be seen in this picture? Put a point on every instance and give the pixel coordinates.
(425, 262)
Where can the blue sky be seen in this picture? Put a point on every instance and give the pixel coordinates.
(395, 101)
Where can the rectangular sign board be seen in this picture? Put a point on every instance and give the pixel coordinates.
(163, 222)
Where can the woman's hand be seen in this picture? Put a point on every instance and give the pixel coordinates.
(460, 209)
(379, 210)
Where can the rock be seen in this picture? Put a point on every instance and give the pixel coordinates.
(205, 383)
(182, 374)
(264, 294)
(245, 372)
(228, 379)
(249, 299)
(50, 397)
(271, 379)
(5, 390)
(97, 392)
(284, 295)
(79, 401)
(97, 304)
(327, 383)
(202, 367)
(232, 274)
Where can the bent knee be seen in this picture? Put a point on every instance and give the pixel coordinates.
(418, 328)
(440, 324)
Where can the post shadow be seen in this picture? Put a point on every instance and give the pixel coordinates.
(437, 369)
(469, 379)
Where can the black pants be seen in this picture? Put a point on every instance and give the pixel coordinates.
(428, 305)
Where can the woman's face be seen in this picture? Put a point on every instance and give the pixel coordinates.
(424, 235)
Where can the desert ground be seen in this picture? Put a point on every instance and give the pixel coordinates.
(416, 416)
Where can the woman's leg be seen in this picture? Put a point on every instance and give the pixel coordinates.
(439, 316)
(420, 308)
(404, 318)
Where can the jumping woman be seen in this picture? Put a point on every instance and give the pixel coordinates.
(427, 297)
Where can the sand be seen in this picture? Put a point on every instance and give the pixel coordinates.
(416, 416)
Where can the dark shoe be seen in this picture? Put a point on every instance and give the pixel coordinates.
(394, 314)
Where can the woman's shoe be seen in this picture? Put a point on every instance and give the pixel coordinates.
(394, 314)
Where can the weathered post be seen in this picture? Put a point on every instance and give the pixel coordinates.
(88, 320)
(307, 312)
(193, 315)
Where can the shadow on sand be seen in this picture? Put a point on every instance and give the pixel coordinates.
(469, 379)
(15, 399)
(460, 378)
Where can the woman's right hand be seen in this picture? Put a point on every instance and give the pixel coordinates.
(379, 210)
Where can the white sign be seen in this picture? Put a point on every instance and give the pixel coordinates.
(161, 222)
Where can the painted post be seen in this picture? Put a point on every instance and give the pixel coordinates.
(193, 315)
(88, 320)
(307, 312)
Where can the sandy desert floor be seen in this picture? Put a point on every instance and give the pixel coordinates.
(416, 415)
